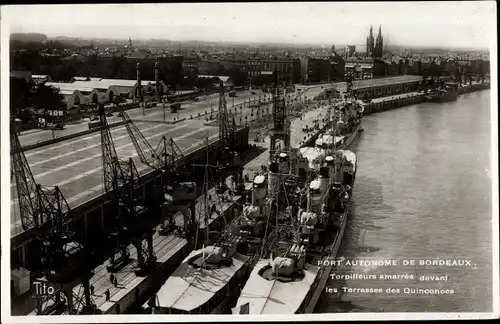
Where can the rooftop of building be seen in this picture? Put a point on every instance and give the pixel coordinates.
(68, 86)
(40, 76)
(360, 59)
(371, 83)
(220, 77)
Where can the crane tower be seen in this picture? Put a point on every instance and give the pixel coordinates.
(230, 161)
(65, 262)
(132, 223)
(281, 125)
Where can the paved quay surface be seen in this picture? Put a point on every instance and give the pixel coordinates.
(187, 108)
(75, 165)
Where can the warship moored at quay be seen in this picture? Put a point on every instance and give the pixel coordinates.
(197, 244)
(290, 279)
(447, 92)
(210, 279)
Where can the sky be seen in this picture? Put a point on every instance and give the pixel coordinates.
(442, 24)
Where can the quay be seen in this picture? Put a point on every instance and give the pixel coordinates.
(401, 100)
(73, 160)
(170, 250)
(74, 165)
(386, 93)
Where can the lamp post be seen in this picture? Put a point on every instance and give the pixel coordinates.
(163, 104)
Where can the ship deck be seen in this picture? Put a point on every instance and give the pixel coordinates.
(189, 288)
(275, 297)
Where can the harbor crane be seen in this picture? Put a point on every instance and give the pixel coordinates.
(229, 162)
(65, 262)
(133, 223)
(173, 190)
(281, 125)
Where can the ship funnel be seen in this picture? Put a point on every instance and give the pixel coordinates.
(330, 164)
(284, 163)
(324, 179)
(273, 179)
(259, 189)
(323, 172)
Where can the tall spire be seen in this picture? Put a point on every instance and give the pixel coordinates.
(371, 41)
(379, 44)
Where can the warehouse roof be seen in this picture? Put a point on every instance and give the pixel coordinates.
(371, 83)
(222, 78)
(68, 86)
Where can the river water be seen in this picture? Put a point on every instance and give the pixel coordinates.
(422, 191)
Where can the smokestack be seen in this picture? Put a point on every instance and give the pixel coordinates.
(157, 80)
(139, 85)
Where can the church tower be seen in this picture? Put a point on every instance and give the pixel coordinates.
(379, 44)
(370, 43)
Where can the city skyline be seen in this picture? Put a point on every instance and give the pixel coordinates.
(454, 25)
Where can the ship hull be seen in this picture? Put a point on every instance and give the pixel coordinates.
(351, 138)
(305, 297)
(324, 273)
(448, 97)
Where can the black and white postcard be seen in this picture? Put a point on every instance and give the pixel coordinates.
(260, 160)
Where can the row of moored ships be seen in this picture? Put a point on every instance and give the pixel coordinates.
(267, 262)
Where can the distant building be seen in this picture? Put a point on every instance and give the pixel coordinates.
(83, 90)
(376, 88)
(190, 64)
(236, 62)
(40, 79)
(254, 68)
(227, 82)
(360, 68)
(370, 43)
(350, 50)
(26, 75)
(375, 48)
(288, 69)
(209, 67)
(315, 70)
(337, 68)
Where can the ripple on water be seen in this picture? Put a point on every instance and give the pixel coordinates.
(422, 191)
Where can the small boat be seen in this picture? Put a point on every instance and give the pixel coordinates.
(447, 93)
